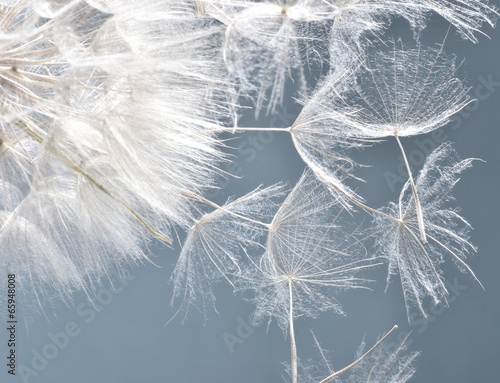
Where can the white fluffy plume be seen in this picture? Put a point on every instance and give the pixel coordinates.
(419, 264)
(103, 142)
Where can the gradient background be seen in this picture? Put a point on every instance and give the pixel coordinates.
(127, 342)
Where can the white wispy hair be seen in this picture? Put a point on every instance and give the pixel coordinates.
(103, 142)
(266, 44)
(270, 42)
(323, 146)
(417, 263)
(312, 252)
(214, 246)
(403, 92)
(379, 364)
(354, 20)
(400, 92)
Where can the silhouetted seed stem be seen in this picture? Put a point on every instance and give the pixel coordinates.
(420, 217)
(347, 368)
(221, 208)
(316, 171)
(65, 159)
(292, 335)
(255, 129)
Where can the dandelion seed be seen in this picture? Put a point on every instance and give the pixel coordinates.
(307, 245)
(269, 43)
(377, 365)
(211, 251)
(384, 365)
(402, 93)
(308, 259)
(418, 263)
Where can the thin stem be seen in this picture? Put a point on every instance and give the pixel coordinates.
(292, 335)
(316, 170)
(79, 170)
(420, 217)
(319, 174)
(65, 159)
(347, 368)
(363, 206)
(323, 178)
(221, 208)
(254, 129)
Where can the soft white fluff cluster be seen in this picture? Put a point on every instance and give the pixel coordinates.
(266, 43)
(106, 136)
(110, 112)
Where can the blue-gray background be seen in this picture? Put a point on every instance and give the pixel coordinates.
(126, 340)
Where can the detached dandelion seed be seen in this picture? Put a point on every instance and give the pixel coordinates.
(212, 249)
(308, 259)
(416, 262)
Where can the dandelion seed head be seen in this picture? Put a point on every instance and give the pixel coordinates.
(103, 146)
